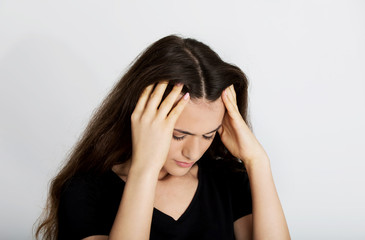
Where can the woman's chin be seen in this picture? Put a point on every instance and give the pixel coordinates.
(174, 169)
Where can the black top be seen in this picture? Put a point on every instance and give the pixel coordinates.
(89, 205)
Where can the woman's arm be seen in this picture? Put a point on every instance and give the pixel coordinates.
(133, 220)
(152, 130)
(268, 218)
(243, 228)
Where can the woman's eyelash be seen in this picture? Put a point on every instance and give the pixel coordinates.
(181, 138)
(208, 138)
(178, 138)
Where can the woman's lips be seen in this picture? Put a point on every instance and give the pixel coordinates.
(184, 164)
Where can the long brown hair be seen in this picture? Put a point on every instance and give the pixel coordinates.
(107, 139)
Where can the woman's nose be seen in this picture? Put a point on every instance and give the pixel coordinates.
(191, 149)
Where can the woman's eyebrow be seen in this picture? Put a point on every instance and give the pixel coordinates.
(189, 133)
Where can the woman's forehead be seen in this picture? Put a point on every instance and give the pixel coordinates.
(200, 117)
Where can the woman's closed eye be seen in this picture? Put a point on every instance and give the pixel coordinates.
(178, 138)
(182, 137)
(208, 137)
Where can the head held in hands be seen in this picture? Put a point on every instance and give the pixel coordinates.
(107, 138)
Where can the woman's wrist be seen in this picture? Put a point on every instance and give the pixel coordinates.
(144, 170)
(261, 162)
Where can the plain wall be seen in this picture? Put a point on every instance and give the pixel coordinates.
(305, 61)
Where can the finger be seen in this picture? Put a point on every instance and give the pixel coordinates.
(226, 96)
(155, 97)
(233, 92)
(141, 103)
(169, 101)
(176, 111)
(220, 131)
(231, 96)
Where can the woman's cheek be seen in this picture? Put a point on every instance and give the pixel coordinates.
(175, 148)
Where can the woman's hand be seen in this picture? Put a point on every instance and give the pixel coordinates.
(236, 135)
(152, 126)
(268, 220)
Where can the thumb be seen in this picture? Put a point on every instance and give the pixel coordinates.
(220, 131)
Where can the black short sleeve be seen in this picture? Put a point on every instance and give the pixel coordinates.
(78, 211)
(241, 195)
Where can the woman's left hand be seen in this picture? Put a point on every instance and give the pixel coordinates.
(236, 135)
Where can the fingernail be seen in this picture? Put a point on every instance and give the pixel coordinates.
(186, 96)
(179, 84)
(225, 92)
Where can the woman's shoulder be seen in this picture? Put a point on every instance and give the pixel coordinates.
(87, 205)
(86, 185)
(224, 173)
(77, 188)
(222, 166)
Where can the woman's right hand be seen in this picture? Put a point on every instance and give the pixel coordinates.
(152, 127)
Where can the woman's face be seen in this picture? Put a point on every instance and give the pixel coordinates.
(193, 133)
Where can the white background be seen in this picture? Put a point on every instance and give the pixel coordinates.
(305, 61)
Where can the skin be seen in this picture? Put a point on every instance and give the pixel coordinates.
(193, 133)
(268, 219)
(154, 153)
(201, 119)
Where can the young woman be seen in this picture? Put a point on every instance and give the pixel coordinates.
(168, 155)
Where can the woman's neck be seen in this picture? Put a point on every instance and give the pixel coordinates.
(122, 171)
